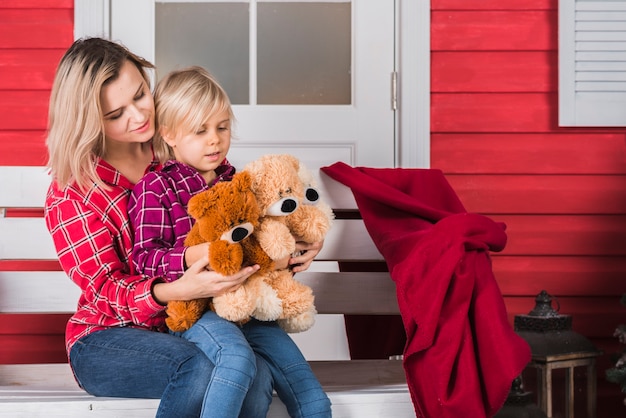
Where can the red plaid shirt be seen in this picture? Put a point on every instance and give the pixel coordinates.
(93, 238)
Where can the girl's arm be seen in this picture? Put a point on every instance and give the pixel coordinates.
(157, 249)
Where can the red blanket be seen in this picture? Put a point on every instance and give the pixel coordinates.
(461, 354)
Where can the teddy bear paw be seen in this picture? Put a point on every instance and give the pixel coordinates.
(269, 307)
(299, 323)
(234, 306)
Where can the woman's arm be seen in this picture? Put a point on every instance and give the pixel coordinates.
(198, 282)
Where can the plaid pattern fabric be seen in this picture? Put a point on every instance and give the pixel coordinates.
(158, 214)
(93, 239)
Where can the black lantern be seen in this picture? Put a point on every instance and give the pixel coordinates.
(555, 346)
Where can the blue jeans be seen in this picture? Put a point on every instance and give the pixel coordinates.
(136, 363)
(128, 362)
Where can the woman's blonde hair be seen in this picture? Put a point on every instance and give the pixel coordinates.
(75, 121)
(185, 99)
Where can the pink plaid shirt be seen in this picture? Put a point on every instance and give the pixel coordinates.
(93, 238)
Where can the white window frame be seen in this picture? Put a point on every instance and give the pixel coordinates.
(592, 66)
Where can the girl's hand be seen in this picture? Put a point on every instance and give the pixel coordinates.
(198, 282)
(307, 253)
(195, 253)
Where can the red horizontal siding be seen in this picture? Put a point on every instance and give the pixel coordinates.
(493, 71)
(529, 194)
(24, 110)
(561, 191)
(494, 112)
(36, 28)
(493, 30)
(494, 5)
(28, 69)
(37, 4)
(561, 275)
(23, 147)
(525, 153)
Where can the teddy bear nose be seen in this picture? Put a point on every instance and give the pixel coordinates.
(288, 206)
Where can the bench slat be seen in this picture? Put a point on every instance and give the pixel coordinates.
(20, 292)
(363, 388)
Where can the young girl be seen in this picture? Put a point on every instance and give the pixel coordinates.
(101, 123)
(195, 118)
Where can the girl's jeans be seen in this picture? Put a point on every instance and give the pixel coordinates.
(129, 362)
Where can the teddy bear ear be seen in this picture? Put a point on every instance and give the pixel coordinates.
(292, 160)
(200, 203)
(242, 180)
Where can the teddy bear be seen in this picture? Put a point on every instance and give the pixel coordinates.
(281, 185)
(226, 214)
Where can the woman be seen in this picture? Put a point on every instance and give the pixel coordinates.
(101, 124)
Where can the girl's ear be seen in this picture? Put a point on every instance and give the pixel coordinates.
(167, 136)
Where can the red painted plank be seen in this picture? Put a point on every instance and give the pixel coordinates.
(501, 71)
(509, 194)
(562, 275)
(28, 69)
(28, 349)
(30, 265)
(565, 235)
(36, 28)
(23, 110)
(22, 147)
(494, 30)
(37, 4)
(494, 112)
(512, 153)
(494, 5)
(24, 213)
(33, 324)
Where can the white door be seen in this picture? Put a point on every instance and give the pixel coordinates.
(310, 78)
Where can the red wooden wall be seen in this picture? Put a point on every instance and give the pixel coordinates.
(561, 191)
(33, 36)
(495, 134)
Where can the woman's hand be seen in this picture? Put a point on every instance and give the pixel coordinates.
(198, 282)
(307, 253)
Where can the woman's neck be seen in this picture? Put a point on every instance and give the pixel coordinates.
(130, 159)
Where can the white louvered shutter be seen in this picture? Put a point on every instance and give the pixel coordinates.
(592, 63)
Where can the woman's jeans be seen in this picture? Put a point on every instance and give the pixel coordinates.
(129, 362)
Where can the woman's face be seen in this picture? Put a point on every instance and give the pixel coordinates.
(128, 107)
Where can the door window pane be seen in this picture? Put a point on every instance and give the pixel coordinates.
(212, 35)
(304, 53)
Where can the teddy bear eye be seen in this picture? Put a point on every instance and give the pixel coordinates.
(238, 233)
(311, 196)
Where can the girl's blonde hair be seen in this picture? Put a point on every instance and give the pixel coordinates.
(75, 121)
(185, 99)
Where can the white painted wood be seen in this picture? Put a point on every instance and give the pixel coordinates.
(25, 238)
(49, 390)
(23, 187)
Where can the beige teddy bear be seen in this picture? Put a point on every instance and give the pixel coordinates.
(280, 184)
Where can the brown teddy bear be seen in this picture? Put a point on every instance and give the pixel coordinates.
(226, 214)
(280, 184)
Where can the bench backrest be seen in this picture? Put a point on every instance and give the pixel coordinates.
(31, 280)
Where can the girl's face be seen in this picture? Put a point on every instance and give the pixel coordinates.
(128, 108)
(205, 149)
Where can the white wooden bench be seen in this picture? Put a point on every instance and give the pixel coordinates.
(357, 388)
